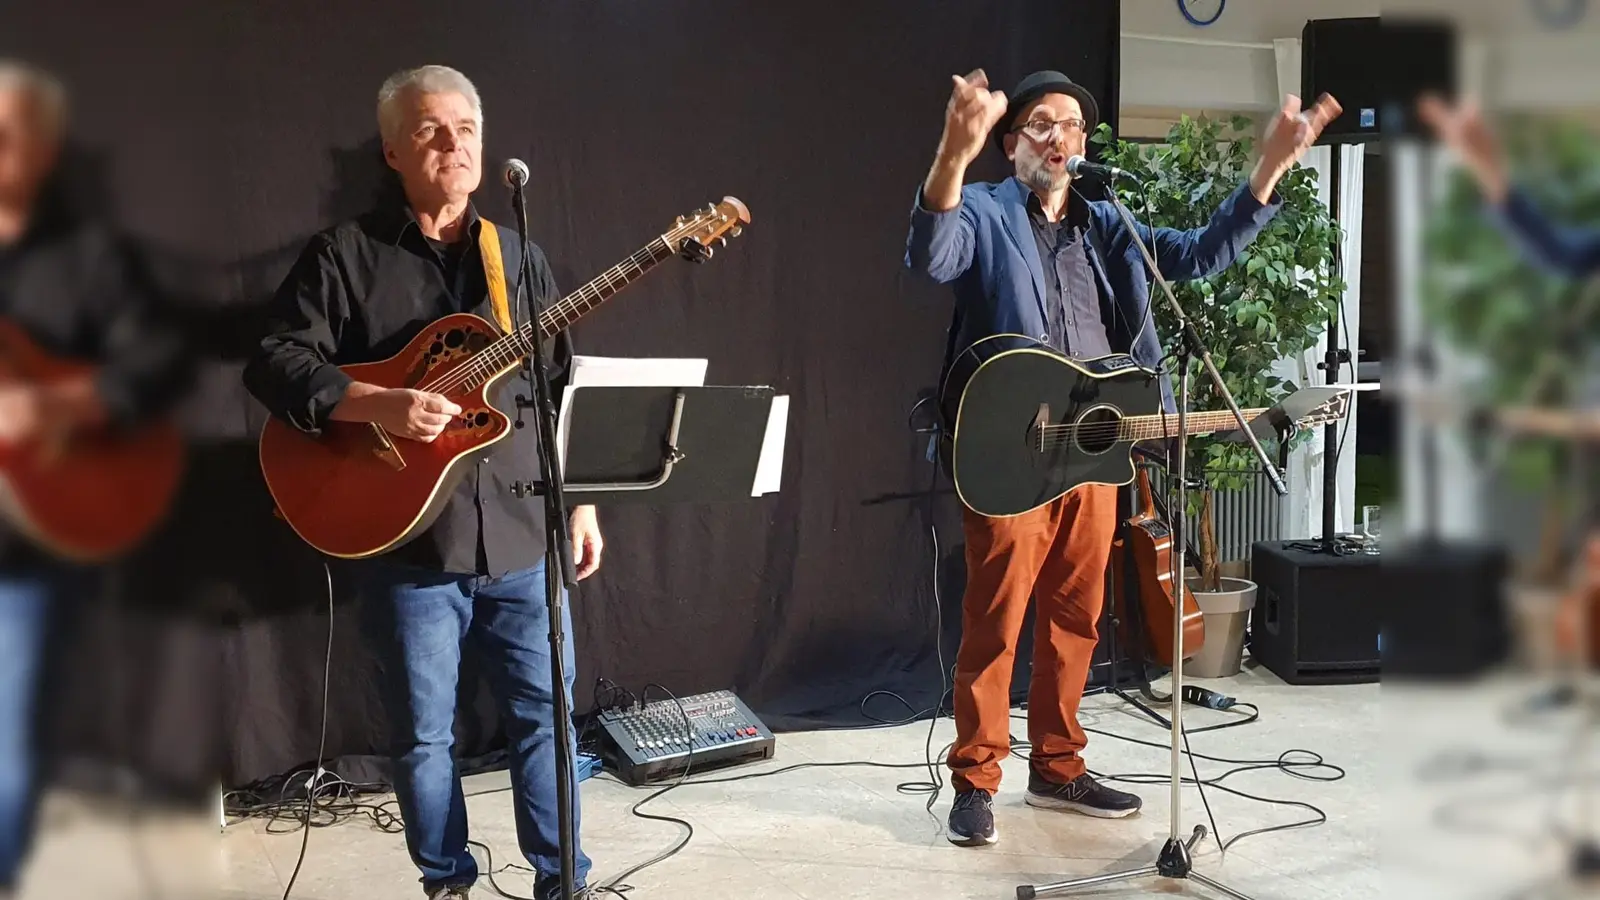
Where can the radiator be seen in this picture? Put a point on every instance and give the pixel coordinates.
(1238, 518)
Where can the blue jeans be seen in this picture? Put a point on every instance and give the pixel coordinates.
(420, 620)
(25, 618)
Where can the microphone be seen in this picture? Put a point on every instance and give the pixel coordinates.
(1080, 167)
(516, 173)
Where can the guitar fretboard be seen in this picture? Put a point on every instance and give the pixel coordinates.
(1146, 427)
(509, 351)
(1154, 427)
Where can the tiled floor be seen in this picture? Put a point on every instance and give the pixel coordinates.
(837, 833)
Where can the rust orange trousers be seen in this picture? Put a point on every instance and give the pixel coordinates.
(1056, 554)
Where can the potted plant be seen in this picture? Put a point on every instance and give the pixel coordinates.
(1273, 303)
(1529, 336)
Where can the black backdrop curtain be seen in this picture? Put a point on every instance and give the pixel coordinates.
(224, 134)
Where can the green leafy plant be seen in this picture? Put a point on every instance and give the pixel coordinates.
(1272, 303)
(1531, 332)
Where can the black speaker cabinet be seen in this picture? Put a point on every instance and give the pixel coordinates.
(1419, 56)
(1317, 616)
(1446, 616)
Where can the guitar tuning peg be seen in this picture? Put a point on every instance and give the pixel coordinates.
(722, 241)
(681, 220)
(736, 231)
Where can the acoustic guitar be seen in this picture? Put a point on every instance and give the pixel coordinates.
(1023, 424)
(357, 491)
(1149, 540)
(88, 495)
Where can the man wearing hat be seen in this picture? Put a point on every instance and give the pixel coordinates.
(1031, 256)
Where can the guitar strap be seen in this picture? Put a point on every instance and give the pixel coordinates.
(494, 269)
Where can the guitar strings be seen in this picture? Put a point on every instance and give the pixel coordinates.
(507, 351)
(1057, 436)
(1148, 420)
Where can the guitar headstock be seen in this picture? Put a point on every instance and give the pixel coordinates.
(1327, 412)
(697, 235)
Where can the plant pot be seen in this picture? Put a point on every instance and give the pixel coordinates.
(1227, 615)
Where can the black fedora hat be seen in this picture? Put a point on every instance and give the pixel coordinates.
(1037, 85)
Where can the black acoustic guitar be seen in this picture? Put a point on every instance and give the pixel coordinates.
(1023, 424)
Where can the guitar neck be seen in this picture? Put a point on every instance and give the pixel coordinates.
(580, 302)
(509, 352)
(1156, 427)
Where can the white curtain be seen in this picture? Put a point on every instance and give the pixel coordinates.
(1441, 487)
(1303, 507)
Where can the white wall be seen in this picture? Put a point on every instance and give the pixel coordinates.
(1228, 66)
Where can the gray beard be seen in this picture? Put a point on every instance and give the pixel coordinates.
(1036, 176)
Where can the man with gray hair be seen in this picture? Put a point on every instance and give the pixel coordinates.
(73, 288)
(359, 292)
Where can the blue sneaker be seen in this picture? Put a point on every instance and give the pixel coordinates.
(972, 819)
(1082, 794)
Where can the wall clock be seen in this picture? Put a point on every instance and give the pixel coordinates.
(1201, 13)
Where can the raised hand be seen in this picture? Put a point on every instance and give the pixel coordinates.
(1463, 130)
(970, 115)
(1290, 134)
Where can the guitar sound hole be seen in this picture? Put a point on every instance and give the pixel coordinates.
(455, 338)
(1096, 430)
(482, 419)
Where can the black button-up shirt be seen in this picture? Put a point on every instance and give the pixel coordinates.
(80, 292)
(1072, 298)
(359, 292)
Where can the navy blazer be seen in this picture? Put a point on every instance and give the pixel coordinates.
(1572, 252)
(986, 248)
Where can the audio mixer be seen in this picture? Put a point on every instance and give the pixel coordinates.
(652, 743)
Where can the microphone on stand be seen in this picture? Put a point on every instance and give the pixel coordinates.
(558, 566)
(516, 173)
(1082, 168)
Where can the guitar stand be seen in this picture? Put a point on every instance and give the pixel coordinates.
(1112, 625)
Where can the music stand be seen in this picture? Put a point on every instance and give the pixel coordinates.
(667, 444)
(660, 445)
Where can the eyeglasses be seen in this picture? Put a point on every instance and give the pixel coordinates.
(1045, 129)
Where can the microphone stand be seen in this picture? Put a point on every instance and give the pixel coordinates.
(558, 567)
(1174, 861)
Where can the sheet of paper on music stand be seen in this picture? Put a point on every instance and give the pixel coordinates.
(611, 371)
(769, 468)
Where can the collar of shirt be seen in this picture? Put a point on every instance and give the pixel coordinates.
(397, 217)
(1075, 215)
(52, 215)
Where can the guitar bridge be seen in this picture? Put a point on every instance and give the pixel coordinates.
(1040, 420)
(385, 449)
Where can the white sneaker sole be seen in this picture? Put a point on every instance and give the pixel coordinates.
(962, 841)
(1042, 801)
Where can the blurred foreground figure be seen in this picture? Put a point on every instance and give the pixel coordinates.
(1569, 249)
(1572, 250)
(76, 360)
